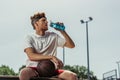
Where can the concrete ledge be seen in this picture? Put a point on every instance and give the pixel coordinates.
(5, 77)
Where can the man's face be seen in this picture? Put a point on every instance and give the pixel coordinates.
(42, 24)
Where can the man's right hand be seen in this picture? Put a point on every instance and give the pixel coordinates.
(58, 62)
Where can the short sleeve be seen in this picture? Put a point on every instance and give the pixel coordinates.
(28, 42)
(60, 41)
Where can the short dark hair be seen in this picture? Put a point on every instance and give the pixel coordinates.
(36, 17)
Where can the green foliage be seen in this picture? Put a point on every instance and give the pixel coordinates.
(5, 70)
(81, 71)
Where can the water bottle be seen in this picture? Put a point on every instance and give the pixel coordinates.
(57, 26)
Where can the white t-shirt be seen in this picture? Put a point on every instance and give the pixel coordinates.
(45, 45)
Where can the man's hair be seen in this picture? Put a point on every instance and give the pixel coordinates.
(36, 17)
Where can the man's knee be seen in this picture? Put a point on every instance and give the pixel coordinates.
(22, 74)
(26, 74)
(68, 75)
(73, 76)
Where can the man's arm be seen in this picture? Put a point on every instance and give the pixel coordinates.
(69, 42)
(33, 56)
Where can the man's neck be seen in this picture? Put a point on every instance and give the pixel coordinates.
(41, 33)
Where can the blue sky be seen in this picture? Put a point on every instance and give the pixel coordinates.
(104, 30)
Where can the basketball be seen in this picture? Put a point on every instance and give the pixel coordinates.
(46, 68)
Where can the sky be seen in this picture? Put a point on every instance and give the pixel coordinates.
(103, 31)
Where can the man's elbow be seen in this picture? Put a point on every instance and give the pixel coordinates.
(72, 46)
(30, 56)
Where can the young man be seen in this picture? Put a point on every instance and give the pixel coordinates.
(43, 45)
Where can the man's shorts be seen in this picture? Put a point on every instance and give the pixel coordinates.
(57, 71)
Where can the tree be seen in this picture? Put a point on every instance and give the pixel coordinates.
(5, 70)
(81, 71)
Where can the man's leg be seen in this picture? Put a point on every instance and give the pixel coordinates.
(27, 73)
(68, 75)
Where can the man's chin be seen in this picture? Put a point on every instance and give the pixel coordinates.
(45, 29)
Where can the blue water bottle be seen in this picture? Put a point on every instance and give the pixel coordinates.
(57, 26)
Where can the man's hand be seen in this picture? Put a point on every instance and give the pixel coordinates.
(60, 23)
(57, 61)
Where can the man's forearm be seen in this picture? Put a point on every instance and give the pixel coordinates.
(37, 57)
(69, 42)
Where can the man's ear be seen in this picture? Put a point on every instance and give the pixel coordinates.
(36, 24)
